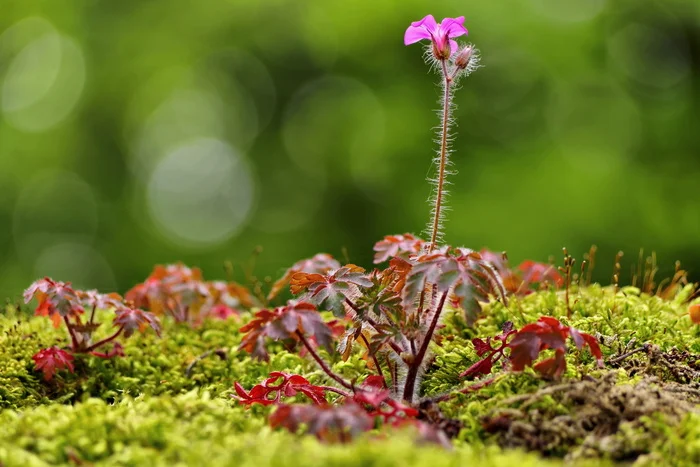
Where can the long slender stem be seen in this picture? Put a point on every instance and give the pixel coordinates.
(409, 387)
(322, 364)
(105, 340)
(443, 157)
(92, 314)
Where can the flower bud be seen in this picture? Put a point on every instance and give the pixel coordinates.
(463, 57)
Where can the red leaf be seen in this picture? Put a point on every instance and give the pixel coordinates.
(52, 359)
(319, 264)
(132, 320)
(552, 367)
(284, 323)
(581, 339)
(328, 424)
(540, 272)
(397, 246)
(57, 300)
(482, 367)
(462, 272)
(374, 381)
(330, 291)
(548, 333)
(481, 346)
(269, 393)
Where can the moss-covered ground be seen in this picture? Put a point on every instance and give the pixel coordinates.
(146, 409)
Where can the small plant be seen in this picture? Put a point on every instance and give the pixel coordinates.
(393, 314)
(65, 305)
(524, 347)
(181, 292)
(529, 276)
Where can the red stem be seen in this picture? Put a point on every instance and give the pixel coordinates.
(74, 340)
(418, 360)
(443, 157)
(105, 340)
(322, 364)
(336, 390)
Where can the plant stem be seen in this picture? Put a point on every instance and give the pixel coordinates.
(376, 362)
(443, 156)
(105, 340)
(73, 339)
(409, 387)
(471, 388)
(92, 314)
(323, 364)
(336, 390)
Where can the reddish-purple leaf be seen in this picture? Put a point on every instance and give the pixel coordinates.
(397, 246)
(57, 300)
(482, 367)
(331, 291)
(284, 323)
(319, 264)
(540, 272)
(133, 319)
(52, 359)
(280, 384)
(481, 347)
(328, 424)
(548, 333)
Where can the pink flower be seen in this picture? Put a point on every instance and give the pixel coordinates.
(441, 34)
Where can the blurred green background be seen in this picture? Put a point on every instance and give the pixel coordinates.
(136, 132)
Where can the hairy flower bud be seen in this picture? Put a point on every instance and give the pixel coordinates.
(463, 57)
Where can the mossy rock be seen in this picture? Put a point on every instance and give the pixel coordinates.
(146, 409)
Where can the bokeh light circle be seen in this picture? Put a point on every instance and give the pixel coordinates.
(44, 79)
(201, 193)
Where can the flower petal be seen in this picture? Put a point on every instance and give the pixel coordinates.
(419, 30)
(454, 27)
(428, 22)
(454, 47)
(414, 35)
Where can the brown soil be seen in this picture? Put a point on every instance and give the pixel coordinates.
(599, 417)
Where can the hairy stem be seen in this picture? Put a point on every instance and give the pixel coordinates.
(323, 364)
(417, 362)
(439, 190)
(105, 340)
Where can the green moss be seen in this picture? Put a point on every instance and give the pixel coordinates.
(144, 409)
(194, 429)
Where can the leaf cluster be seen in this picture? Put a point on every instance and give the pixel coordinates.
(181, 292)
(65, 305)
